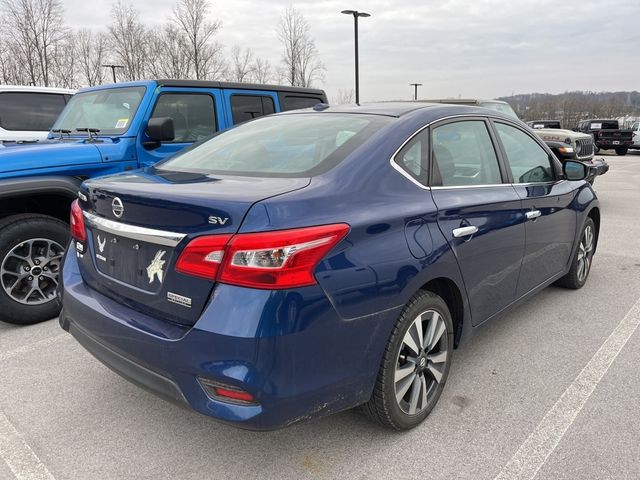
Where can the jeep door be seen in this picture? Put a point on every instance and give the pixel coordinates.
(550, 225)
(197, 114)
(479, 212)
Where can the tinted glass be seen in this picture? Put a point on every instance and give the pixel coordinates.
(29, 111)
(248, 107)
(193, 114)
(111, 111)
(413, 157)
(294, 103)
(280, 146)
(464, 155)
(529, 162)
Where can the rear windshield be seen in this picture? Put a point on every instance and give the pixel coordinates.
(603, 125)
(297, 145)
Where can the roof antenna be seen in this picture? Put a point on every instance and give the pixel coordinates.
(319, 107)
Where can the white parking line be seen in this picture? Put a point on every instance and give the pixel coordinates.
(18, 455)
(535, 451)
(33, 346)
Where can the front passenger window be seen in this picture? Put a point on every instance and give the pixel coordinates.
(529, 162)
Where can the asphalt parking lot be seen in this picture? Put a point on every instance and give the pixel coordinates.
(550, 391)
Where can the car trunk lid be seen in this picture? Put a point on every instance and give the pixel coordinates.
(138, 224)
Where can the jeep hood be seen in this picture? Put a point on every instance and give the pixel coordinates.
(559, 135)
(47, 154)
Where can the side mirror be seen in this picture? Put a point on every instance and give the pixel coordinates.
(575, 170)
(161, 129)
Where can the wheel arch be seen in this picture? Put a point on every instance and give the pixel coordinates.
(44, 195)
(449, 291)
(594, 214)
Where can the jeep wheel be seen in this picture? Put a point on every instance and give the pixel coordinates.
(622, 150)
(31, 249)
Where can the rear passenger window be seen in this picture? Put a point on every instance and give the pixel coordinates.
(413, 157)
(247, 107)
(29, 111)
(464, 155)
(295, 103)
(529, 162)
(193, 114)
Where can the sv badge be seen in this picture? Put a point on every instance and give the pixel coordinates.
(155, 267)
(218, 220)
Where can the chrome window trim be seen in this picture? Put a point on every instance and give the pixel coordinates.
(160, 237)
(398, 168)
(472, 186)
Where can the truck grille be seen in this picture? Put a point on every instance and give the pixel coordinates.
(584, 148)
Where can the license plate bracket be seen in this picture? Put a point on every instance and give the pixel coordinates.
(139, 264)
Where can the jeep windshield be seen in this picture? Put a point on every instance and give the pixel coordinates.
(110, 111)
(292, 145)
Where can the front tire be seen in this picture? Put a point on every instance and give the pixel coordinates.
(415, 365)
(581, 264)
(31, 249)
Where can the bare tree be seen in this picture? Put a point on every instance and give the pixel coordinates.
(204, 53)
(35, 30)
(262, 72)
(64, 64)
(344, 96)
(301, 65)
(242, 66)
(128, 40)
(90, 50)
(167, 46)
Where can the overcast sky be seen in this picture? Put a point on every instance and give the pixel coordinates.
(472, 48)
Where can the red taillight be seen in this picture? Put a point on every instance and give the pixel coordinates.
(78, 231)
(273, 260)
(202, 256)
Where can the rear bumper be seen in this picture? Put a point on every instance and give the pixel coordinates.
(289, 349)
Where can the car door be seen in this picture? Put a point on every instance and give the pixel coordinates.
(196, 115)
(479, 212)
(550, 225)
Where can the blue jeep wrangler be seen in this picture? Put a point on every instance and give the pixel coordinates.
(105, 130)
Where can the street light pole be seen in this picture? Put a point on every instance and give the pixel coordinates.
(356, 14)
(113, 70)
(415, 89)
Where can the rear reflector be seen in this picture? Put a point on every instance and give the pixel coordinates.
(268, 260)
(78, 231)
(220, 391)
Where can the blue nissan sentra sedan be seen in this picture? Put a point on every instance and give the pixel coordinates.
(313, 261)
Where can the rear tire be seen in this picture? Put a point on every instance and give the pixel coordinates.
(415, 364)
(31, 249)
(582, 259)
(622, 151)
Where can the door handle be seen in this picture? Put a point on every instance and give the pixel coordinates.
(533, 214)
(464, 231)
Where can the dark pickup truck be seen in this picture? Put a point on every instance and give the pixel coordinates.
(607, 135)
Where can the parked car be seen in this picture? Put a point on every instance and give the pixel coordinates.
(635, 128)
(27, 113)
(569, 145)
(607, 135)
(104, 130)
(537, 124)
(309, 262)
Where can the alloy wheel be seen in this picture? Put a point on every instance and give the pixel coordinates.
(421, 362)
(29, 272)
(585, 253)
